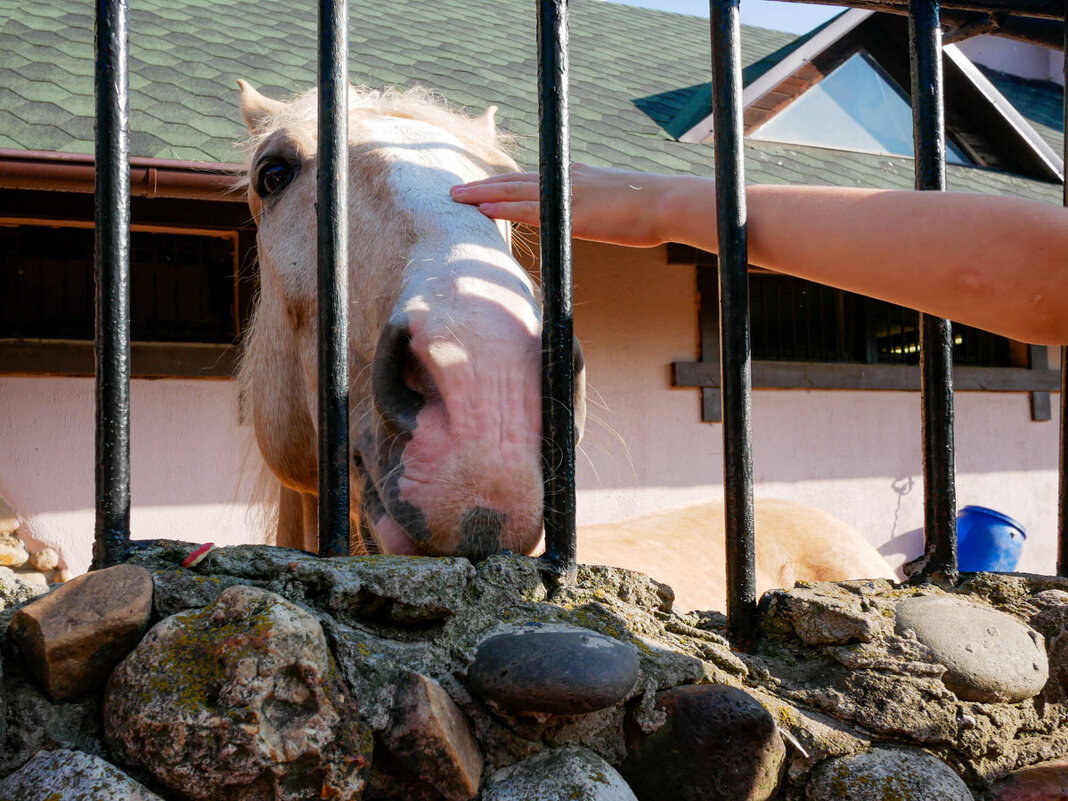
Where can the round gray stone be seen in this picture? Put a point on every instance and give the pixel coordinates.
(989, 656)
(561, 672)
(566, 774)
(65, 774)
(886, 774)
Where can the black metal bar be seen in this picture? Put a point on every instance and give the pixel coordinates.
(333, 220)
(112, 271)
(1062, 492)
(736, 380)
(936, 336)
(558, 337)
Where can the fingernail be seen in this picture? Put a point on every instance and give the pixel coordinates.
(459, 189)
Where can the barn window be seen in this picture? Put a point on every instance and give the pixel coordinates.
(187, 299)
(799, 321)
(808, 336)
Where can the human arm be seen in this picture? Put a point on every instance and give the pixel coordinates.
(992, 262)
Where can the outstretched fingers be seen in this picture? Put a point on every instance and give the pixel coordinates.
(512, 196)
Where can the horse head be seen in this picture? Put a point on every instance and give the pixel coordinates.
(444, 334)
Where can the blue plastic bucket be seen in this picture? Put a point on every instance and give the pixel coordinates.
(988, 540)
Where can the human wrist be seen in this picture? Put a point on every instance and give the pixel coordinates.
(686, 210)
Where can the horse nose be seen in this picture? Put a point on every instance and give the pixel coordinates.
(401, 383)
(480, 530)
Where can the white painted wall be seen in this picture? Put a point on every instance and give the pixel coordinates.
(1016, 58)
(855, 454)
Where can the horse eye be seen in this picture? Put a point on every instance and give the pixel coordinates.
(273, 177)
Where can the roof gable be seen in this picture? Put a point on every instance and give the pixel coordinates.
(979, 117)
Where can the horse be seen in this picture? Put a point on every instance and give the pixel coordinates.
(444, 344)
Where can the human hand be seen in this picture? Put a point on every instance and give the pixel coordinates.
(616, 206)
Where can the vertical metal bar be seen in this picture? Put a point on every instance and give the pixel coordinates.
(936, 336)
(333, 220)
(1062, 493)
(558, 373)
(112, 271)
(736, 377)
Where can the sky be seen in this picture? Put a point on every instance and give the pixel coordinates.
(792, 17)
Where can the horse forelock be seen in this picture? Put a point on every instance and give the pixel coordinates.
(487, 142)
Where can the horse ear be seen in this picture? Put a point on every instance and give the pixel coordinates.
(254, 106)
(489, 119)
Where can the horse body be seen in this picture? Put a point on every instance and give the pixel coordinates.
(445, 361)
(685, 548)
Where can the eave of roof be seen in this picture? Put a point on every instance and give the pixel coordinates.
(76, 172)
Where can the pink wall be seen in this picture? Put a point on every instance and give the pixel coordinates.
(192, 471)
(855, 454)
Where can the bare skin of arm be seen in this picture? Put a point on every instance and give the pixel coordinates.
(991, 262)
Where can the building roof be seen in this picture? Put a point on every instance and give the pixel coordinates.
(1040, 102)
(636, 76)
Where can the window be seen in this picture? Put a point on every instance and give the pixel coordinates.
(182, 285)
(856, 107)
(797, 321)
(190, 289)
(812, 337)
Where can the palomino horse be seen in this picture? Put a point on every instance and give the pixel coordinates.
(444, 339)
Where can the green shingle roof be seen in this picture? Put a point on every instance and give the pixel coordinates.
(637, 76)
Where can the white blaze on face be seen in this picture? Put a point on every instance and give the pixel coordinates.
(475, 338)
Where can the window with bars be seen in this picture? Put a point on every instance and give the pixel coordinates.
(798, 321)
(182, 285)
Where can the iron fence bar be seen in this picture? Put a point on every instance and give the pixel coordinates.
(1062, 492)
(112, 275)
(936, 336)
(736, 378)
(333, 217)
(558, 373)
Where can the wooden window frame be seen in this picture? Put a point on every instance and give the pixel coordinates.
(704, 374)
(148, 359)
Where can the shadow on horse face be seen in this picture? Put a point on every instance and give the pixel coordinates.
(444, 339)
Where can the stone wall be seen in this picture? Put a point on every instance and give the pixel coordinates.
(265, 673)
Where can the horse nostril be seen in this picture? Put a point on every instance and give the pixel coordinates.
(398, 379)
(481, 531)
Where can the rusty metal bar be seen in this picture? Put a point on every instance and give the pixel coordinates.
(736, 379)
(333, 260)
(936, 336)
(112, 268)
(558, 337)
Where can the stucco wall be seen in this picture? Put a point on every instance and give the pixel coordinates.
(189, 478)
(854, 454)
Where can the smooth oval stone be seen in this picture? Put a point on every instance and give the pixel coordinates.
(887, 774)
(989, 656)
(561, 672)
